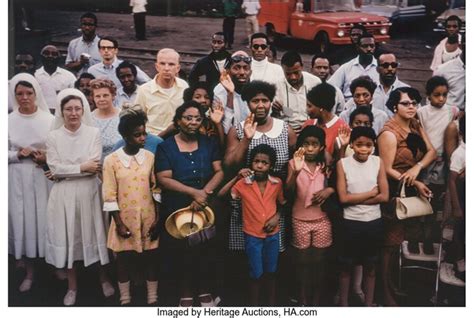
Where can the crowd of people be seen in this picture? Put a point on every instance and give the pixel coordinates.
(109, 165)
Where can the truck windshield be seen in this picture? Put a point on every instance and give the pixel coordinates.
(381, 2)
(458, 4)
(333, 5)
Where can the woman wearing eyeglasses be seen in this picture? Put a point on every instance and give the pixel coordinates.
(188, 168)
(405, 150)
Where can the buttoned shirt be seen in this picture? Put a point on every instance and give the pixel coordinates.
(78, 46)
(52, 84)
(123, 97)
(234, 115)
(101, 70)
(294, 100)
(454, 72)
(438, 53)
(158, 104)
(380, 97)
(349, 71)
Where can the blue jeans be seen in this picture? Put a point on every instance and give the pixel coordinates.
(262, 254)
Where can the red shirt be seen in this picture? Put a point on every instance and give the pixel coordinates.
(331, 129)
(257, 209)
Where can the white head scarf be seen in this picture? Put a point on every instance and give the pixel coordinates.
(40, 102)
(58, 115)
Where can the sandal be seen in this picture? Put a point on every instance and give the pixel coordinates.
(186, 299)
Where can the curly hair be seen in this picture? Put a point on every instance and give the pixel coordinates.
(103, 83)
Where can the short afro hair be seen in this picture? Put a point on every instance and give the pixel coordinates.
(323, 96)
(290, 58)
(434, 82)
(365, 82)
(266, 150)
(252, 89)
(361, 111)
(189, 92)
(358, 132)
(126, 64)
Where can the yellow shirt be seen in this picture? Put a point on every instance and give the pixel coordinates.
(160, 105)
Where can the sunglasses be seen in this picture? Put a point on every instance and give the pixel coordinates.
(241, 58)
(366, 46)
(387, 65)
(262, 46)
(407, 103)
(87, 24)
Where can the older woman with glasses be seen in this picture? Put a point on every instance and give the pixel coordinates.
(405, 150)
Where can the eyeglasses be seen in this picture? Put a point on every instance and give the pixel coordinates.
(366, 46)
(241, 58)
(190, 118)
(407, 103)
(387, 65)
(262, 46)
(107, 47)
(88, 24)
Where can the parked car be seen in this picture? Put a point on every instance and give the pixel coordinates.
(456, 7)
(326, 22)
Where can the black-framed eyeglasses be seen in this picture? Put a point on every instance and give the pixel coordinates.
(407, 103)
(387, 65)
(88, 24)
(241, 58)
(257, 46)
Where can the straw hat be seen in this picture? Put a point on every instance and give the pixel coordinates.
(179, 224)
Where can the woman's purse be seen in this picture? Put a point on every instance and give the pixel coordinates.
(410, 207)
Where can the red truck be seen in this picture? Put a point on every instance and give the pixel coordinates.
(326, 22)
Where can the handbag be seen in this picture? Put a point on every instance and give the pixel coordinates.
(202, 236)
(410, 207)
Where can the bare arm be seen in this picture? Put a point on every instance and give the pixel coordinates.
(382, 183)
(451, 140)
(351, 198)
(387, 149)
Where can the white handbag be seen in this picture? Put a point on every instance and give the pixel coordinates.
(412, 206)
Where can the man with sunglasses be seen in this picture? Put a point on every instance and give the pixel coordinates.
(388, 81)
(364, 64)
(83, 51)
(453, 27)
(209, 68)
(262, 69)
(52, 78)
(233, 78)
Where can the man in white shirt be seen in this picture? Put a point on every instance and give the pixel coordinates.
(251, 9)
(454, 72)
(388, 81)
(139, 16)
(83, 51)
(452, 25)
(364, 64)
(108, 48)
(235, 76)
(290, 98)
(320, 67)
(127, 75)
(262, 69)
(160, 97)
(52, 78)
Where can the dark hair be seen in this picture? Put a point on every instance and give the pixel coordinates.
(384, 52)
(365, 35)
(126, 64)
(462, 127)
(218, 33)
(68, 98)
(453, 18)
(359, 26)
(130, 121)
(434, 82)
(83, 75)
(313, 131)
(323, 96)
(319, 56)
(361, 111)
(189, 92)
(24, 83)
(365, 82)
(250, 90)
(266, 150)
(290, 58)
(358, 132)
(396, 94)
(108, 38)
(25, 52)
(258, 35)
(274, 51)
(89, 15)
(186, 105)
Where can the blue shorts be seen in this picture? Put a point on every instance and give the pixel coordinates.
(262, 254)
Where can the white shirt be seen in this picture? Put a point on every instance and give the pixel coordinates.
(438, 53)
(454, 72)
(458, 158)
(294, 101)
(52, 84)
(340, 101)
(78, 46)
(379, 98)
(349, 71)
(266, 71)
(251, 7)
(380, 117)
(123, 97)
(101, 70)
(138, 5)
(231, 116)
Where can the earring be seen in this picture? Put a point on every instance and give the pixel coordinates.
(394, 110)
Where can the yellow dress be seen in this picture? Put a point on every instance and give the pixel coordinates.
(129, 186)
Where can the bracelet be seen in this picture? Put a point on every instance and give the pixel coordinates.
(420, 164)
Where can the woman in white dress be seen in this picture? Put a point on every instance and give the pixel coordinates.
(106, 115)
(75, 227)
(28, 188)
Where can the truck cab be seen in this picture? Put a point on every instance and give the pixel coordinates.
(326, 22)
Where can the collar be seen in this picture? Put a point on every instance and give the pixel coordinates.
(96, 38)
(261, 63)
(156, 88)
(114, 64)
(121, 92)
(43, 71)
(272, 180)
(127, 159)
(356, 61)
(272, 133)
(332, 122)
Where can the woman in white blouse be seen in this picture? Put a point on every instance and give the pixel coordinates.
(75, 226)
(28, 188)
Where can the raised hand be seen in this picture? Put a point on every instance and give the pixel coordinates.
(298, 158)
(250, 126)
(217, 112)
(226, 81)
(244, 173)
(344, 134)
